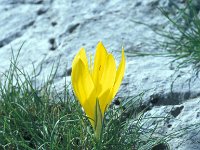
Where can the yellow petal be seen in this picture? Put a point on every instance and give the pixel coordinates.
(104, 100)
(99, 64)
(89, 107)
(75, 76)
(107, 81)
(82, 55)
(83, 86)
(119, 75)
(109, 74)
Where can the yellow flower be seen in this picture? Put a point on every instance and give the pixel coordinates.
(95, 85)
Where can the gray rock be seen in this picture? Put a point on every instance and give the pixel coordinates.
(181, 124)
(54, 31)
(164, 84)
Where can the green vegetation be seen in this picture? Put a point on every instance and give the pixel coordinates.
(183, 42)
(181, 35)
(41, 118)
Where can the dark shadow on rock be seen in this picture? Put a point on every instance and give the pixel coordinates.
(176, 111)
(161, 146)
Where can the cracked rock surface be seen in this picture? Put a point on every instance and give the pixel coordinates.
(53, 31)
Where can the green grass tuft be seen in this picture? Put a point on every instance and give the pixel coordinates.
(184, 41)
(39, 118)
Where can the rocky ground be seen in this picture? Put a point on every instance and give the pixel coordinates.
(54, 30)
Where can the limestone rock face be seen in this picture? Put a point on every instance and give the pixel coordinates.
(181, 122)
(54, 30)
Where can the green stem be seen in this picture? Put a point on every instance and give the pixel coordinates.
(98, 126)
